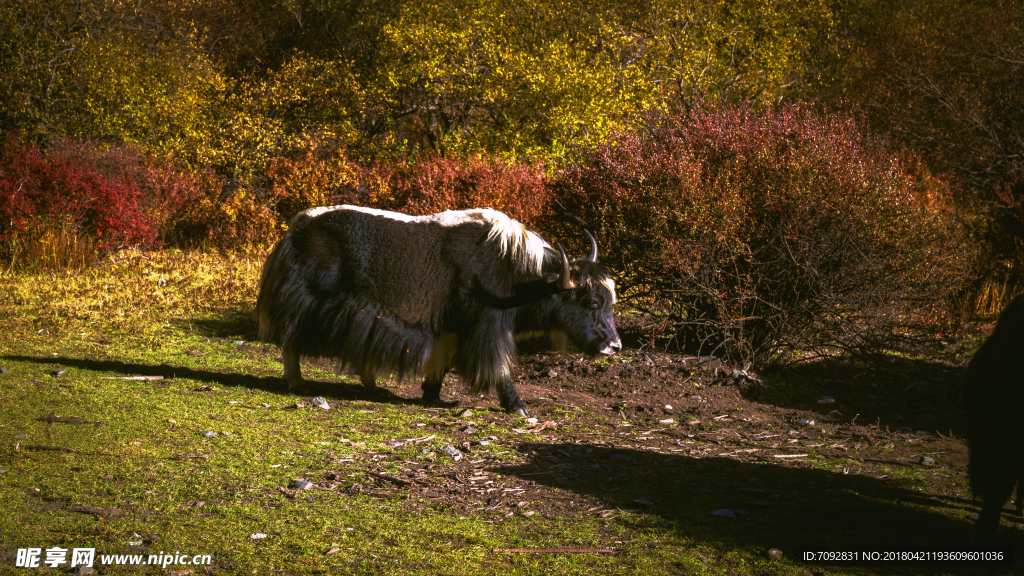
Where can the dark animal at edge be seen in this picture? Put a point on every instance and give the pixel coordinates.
(384, 293)
(994, 389)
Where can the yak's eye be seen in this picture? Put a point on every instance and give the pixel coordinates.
(593, 304)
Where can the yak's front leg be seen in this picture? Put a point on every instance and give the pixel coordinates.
(292, 371)
(510, 399)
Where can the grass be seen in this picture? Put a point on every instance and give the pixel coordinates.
(135, 449)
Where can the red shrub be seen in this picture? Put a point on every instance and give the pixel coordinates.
(38, 190)
(765, 233)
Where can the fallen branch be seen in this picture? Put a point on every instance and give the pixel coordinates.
(131, 377)
(96, 510)
(70, 420)
(557, 550)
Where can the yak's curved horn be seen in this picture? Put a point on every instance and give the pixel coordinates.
(565, 278)
(593, 247)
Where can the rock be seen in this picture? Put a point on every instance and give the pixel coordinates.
(469, 430)
(3, 369)
(453, 452)
(467, 413)
(21, 435)
(300, 484)
(774, 554)
(668, 407)
(208, 433)
(43, 332)
(552, 373)
(58, 372)
(320, 402)
(257, 536)
(926, 461)
(481, 443)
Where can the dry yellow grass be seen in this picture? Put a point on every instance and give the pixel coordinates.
(129, 289)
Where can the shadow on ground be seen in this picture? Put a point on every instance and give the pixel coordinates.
(330, 389)
(795, 509)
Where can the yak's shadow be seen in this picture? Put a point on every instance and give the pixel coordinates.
(795, 509)
(338, 390)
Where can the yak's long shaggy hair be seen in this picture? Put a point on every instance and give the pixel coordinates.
(377, 291)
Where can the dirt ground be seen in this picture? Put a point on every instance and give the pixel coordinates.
(822, 456)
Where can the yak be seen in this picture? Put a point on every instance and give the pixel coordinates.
(994, 388)
(384, 293)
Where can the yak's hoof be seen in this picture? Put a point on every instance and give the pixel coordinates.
(521, 412)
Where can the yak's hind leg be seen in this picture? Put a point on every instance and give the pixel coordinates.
(368, 379)
(437, 365)
(292, 371)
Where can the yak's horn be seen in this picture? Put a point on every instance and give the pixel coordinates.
(593, 247)
(565, 279)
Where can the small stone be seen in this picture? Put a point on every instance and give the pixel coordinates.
(3, 369)
(208, 433)
(484, 442)
(668, 406)
(300, 484)
(58, 372)
(467, 413)
(466, 446)
(152, 538)
(667, 421)
(239, 341)
(84, 570)
(552, 373)
(531, 420)
(926, 461)
(774, 554)
(21, 435)
(43, 332)
(469, 430)
(320, 402)
(257, 536)
(265, 405)
(453, 452)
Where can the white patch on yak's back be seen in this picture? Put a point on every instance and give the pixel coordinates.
(524, 248)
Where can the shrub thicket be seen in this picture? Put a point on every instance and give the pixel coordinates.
(758, 234)
(67, 200)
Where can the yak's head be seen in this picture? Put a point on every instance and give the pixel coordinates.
(582, 310)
